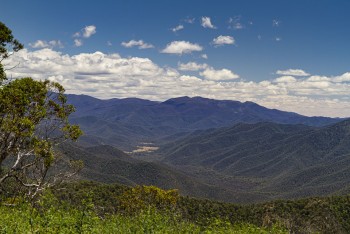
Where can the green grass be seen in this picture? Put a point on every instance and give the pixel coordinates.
(88, 207)
(26, 219)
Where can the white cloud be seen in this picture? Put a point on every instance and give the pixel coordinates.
(112, 76)
(39, 44)
(88, 31)
(223, 40)
(140, 44)
(44, 44)
(343, 78)
(181, 47)
(206, 23)
(54, 43)
(190, 20)
(78, 42)
(285, 79)
(190, 79)
(77, 34)
(223, 74)
(278, 39)
(191, 66)
(235, 23)
(109, 43)
(292, 72)
(177, 28)
(204, 56)
(318, 78)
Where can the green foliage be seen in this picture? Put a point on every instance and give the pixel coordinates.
(311, 215)
(51, 216)
(8, 44)
(141, 197)
(89, 206)
(33, 119)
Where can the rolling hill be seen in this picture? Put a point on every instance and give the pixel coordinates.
(289, 160)
(107, 164)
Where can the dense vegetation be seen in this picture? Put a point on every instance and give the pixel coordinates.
(33, 120)
(93, 207)
(97, 208)
(286, 161)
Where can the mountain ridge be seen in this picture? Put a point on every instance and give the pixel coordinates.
(140, 120)
(288, 158)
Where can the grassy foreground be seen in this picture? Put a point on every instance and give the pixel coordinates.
(88, 207)
(26, 219)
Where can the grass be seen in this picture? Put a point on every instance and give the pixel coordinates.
(99, 208)
(24, 218)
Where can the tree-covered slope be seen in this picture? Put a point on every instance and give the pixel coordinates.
(290, 160)
(109, 165)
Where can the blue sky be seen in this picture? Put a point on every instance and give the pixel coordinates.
(290, 55)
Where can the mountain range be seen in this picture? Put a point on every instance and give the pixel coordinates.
(126, 122)
(223, 150)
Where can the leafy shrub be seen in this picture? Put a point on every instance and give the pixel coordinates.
(141, 197)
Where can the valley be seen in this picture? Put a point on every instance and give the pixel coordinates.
(222, 150)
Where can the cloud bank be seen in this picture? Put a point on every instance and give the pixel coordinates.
(46, 44)
(292, 72)
(112, 76)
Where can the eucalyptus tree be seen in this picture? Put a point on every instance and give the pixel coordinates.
(33, 120)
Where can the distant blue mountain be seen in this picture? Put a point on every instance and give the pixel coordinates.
(124, 122)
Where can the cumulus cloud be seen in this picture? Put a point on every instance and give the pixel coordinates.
(285, 79)
(78, 42)
(191, 66)
(88, 31)
(206, 23)
(181, 47)
(39, 44)
(140, 44)
(177, 28)
(292, 72)
(189, 79)
(112, 76)
(223, 74)
(343, 78)
(204, 56)
(77, 34)
(223, 40)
